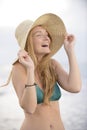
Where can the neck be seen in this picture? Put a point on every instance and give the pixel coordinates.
(39, 58)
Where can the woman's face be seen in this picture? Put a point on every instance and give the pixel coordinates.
(41, 41)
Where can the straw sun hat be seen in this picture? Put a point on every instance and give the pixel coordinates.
(51, 22)
(54, 26)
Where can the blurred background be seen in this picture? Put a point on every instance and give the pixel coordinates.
(73, 107)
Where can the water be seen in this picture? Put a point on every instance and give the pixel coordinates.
(74, 109)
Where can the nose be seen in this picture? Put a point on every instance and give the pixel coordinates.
(46, 37)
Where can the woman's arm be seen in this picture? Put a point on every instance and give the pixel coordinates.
(69, 81)
(23, 73)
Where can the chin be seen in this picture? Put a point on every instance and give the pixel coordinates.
(46, 53)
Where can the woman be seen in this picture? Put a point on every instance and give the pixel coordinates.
(36, 76)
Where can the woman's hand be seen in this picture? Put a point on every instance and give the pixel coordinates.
(69, 43)
(25, 59)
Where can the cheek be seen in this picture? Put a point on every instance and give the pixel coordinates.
(36, 46)
(37, 49)
(36, 43)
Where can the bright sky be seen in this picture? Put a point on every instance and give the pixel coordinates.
(13, 11)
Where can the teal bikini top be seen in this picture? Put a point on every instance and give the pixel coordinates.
(55, 96)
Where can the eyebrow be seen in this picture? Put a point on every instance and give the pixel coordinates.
(39, 32)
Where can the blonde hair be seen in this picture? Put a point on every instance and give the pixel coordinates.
(45, 70)
(9, 78)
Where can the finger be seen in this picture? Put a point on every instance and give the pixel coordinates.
(21, 59)
(70, 38)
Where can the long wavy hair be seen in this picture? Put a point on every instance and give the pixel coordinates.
(44, 68)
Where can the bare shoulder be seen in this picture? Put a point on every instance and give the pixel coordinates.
(55, 64)
(58, 68)
(18, 68)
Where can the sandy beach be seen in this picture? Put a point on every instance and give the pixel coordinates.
(73, 109)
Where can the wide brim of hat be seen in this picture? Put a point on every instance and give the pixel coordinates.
(51, 22)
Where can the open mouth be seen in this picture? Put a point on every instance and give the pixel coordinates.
(44, 45)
